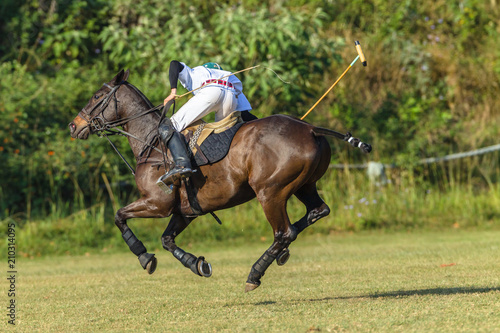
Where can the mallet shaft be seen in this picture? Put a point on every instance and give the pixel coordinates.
(360, 55)
(333, 85)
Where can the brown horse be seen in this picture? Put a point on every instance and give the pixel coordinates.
(271, 158)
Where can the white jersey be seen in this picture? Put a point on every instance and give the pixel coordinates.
(192, 78)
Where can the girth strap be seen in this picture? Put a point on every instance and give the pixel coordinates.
(194, 203)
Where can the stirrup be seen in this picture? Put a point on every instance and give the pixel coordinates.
(173, 175)
(164, 187)
(178, 172)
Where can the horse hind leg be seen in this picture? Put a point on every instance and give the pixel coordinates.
(284, 234)
(316, 207)
(176, 225)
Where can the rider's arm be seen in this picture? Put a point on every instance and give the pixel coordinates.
(173, 73)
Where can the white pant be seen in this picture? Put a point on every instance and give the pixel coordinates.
(213, 97)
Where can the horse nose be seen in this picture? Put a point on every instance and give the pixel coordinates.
(72, 127)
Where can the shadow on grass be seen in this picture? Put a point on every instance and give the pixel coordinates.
(394, 294)
(422, 292)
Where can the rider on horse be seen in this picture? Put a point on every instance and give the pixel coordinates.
(221, 93)
(277, 164)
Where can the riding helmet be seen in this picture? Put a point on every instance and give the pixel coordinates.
(213, 65)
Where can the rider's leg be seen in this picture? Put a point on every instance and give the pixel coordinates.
(207, 100)
(177, 146)
(228, 104)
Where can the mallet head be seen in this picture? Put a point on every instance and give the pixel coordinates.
(360, 52)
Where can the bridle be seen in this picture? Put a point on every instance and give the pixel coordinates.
(99, 125)
(97, 122)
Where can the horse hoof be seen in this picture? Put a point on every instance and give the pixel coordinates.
(204, 268)
(151, 266)
(283, 257)
(251, 286)
(148, 262)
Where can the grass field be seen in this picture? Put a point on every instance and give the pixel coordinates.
(439, 281)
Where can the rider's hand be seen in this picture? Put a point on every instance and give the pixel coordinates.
(170, 97)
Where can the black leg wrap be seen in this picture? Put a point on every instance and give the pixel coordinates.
(133, 243)
(259, 268)
(310, 218)
(187, 259)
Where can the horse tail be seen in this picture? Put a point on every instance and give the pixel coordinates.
(320, 131)
(355, 142)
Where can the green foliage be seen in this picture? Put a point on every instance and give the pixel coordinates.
(428, 75)
(51, 33)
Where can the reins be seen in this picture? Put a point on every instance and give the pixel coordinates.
(108, 125)
(119, 154)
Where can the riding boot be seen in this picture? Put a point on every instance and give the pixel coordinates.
(177, 146)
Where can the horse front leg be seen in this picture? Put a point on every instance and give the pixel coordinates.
(139, 208)
(176, 225)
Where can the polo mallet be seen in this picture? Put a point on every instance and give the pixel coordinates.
(363, 60)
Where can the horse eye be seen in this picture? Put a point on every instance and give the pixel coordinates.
(97, 96)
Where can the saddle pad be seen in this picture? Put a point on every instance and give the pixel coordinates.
(200, 130)
(215, 146)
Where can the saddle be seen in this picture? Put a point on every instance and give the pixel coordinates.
(209, 142)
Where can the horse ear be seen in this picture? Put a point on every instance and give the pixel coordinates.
(120, 77)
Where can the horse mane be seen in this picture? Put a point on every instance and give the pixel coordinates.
(148, 102)
(147, 149)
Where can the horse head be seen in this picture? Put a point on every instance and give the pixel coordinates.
(101, 108)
